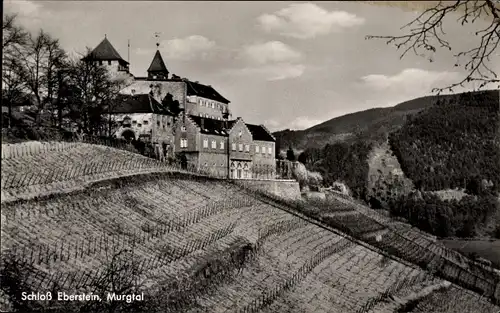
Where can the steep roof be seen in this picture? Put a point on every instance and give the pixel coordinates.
(260, 133)
(105, 51)
(157, 65)
(212, 126)
(141, 103)
(197, 89)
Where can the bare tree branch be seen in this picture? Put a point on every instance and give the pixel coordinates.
(426, 35)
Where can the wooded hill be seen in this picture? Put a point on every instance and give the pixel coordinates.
(446, 142)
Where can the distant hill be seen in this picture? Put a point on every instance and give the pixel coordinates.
(416, 155)
(373, 124)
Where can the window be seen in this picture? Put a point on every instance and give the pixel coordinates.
(200, 114)
(134, 122)
(206, 115)
(212, 117)
(240, 146)
(109, 62)
(146, 122)
(240, 134)
(263, 150)
(158, 123)
(139, 125)
(247, 148)
(205, 143)
(214, 144)
(184, 143)
(183, 128)
(256, 149)
(222, 145)
(269, 150)
(233, 146)
(213, 105)
(100, 62)
(200, 101)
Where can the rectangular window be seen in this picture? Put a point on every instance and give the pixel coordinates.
(263, 150)
(269, 150)
(233, 146)
(213, 105)
(109, 62)
(184, 143)
(247, 148)
(183, 128)
(256, 149)
(240, 146)
(214, 144)
(222, 145)
(146, 122)
(205, 143)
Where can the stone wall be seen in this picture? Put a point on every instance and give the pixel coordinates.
(287, 189)
(160, 89)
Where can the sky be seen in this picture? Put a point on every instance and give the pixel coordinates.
(282, 64)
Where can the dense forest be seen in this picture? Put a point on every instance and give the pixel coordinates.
(464, 218)
(452, 145)
(344, 162)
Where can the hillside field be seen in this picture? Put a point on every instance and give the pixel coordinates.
(89, 218)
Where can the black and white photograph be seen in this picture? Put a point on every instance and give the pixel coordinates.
(250, 156)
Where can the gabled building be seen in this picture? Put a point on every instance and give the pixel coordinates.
(141, 117)
(225, 148)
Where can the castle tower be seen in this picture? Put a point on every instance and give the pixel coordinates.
(105, 54)
(157, 70)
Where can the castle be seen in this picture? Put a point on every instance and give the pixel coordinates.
(177, 115)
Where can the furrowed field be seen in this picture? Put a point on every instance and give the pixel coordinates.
(89, 218)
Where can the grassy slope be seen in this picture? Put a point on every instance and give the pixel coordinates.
(181, 238)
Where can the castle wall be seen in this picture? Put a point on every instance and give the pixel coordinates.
(160, 89)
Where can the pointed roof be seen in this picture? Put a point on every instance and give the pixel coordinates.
(157, 65)
(105, 51)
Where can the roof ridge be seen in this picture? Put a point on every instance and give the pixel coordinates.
(267, 130)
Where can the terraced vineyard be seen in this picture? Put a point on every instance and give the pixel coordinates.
(195, 244)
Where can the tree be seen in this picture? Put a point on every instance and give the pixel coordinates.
(290, 155)
(91, 93)
(14, 37)
(426, 34)
(41, 58)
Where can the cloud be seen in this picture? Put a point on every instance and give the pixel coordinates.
(410, 80)
(188, 48)
(303, 122)
(269, 52)
(23, 8)
(307, 20)
(300, 123)
(271, 72)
